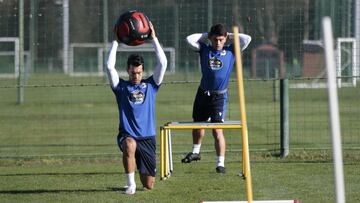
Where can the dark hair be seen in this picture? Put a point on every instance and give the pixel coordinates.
(135, 60)
(218, 30)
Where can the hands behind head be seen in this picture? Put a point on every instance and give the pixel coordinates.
(227, 37)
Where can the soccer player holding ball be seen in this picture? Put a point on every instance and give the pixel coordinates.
(217, 61)
(136, 103)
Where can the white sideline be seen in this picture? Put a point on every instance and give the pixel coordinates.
(260, 201)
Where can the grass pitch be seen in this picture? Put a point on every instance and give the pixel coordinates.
(60, 145)
(102, 181)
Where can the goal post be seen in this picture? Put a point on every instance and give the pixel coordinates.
(347, 67)
(99, 59)
(347, 64)
(14, 53)
(100, 51)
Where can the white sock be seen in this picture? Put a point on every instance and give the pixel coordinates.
(221, 161)
(130, 178)
(196, 148)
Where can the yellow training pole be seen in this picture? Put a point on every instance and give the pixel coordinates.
(166, 153)
(246, 159)
(162, 173)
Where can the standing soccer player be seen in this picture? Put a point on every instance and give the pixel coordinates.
(217, 61)
(136, 103)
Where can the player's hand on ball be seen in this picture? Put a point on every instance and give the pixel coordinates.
(152, 32)
(115, 33)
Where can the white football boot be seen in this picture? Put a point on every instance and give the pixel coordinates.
(130, 190)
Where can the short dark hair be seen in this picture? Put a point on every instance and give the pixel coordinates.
(218, 30)
(135, 60)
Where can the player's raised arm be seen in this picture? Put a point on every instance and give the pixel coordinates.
(110, 65)
(244, 40)
(161, 61)
(194, 39)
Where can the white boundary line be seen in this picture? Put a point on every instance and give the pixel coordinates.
(259, 201)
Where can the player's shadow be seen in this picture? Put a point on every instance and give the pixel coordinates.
(123, 189)
(62, 174)
(116, 189)
(55, 191)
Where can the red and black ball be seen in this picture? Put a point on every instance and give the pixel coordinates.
(132, 28)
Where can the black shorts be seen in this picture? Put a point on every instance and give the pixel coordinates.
(145, 154)
(209, 106)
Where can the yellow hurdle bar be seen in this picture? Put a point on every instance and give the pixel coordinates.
(165, 135)
(203, 125)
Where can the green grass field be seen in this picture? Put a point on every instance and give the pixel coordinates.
(60, 145)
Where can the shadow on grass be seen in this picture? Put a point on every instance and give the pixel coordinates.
(56, 191)
(61, 174)
(42, 191)
(55, 145)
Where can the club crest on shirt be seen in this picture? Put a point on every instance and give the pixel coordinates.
(137, 97)
(215, 63)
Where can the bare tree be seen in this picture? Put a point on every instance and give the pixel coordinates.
(271, 17)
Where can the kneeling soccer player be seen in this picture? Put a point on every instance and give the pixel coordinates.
(136, 103)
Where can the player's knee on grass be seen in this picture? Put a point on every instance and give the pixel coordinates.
(147, 181)
(149, 186)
